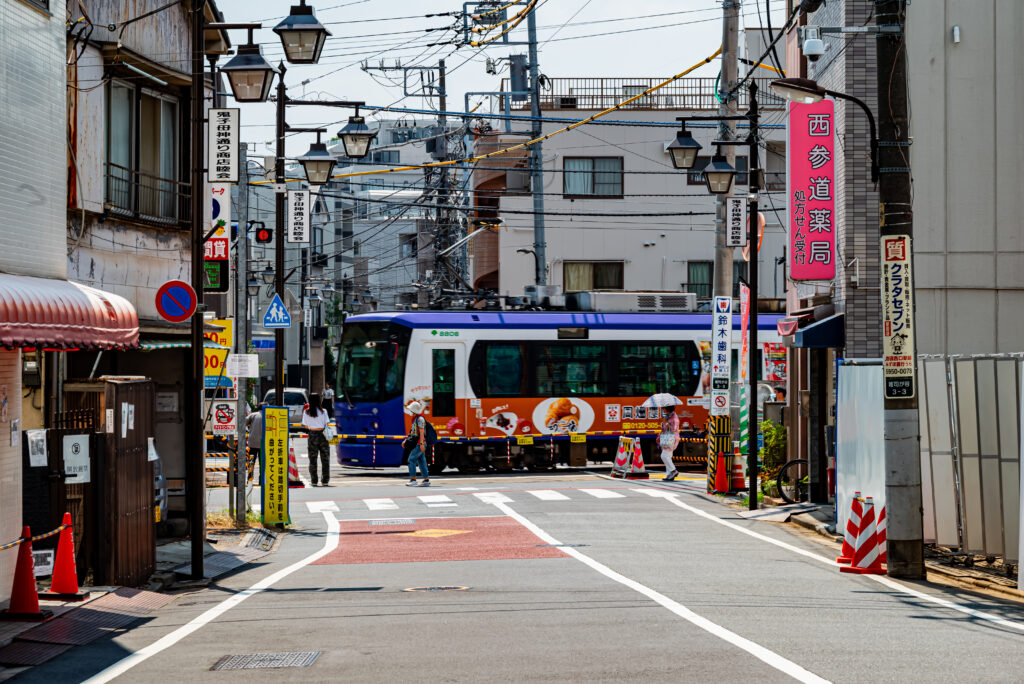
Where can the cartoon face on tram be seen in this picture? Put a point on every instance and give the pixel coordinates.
(490, 380)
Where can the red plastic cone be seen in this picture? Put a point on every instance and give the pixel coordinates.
(739, 480)
(721, 474)
(865, 557)
(64, 584)
(24, 599)
(294, 481)
(880, 534)
(637, 470)
(852, 528)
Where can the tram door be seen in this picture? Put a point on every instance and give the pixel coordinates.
(446, 363)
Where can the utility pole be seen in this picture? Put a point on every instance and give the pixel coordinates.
(280, 193)
(537, 158)
(905, 531)
(241, 326)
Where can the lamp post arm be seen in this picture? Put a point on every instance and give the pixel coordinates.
(871, 124)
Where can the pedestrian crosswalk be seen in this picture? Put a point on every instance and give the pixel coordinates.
(466, 498)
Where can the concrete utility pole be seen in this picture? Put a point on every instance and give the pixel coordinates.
(537, 158)
(726, 131)
(905, 531)
(241, 325)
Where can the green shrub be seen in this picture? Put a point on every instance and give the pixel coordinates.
(774, 453)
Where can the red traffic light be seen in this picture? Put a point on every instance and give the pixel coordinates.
(264, 235)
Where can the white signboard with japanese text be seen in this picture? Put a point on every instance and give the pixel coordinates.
(721, 355)
(243, 365)
(298, 216)
(222, 163)
(898, 366)
(76, 459)
(736, 221)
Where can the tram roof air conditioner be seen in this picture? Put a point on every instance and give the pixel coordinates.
(545, 295)
(644, 302)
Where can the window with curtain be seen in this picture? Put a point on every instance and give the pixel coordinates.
(592, 176)
(698, 278)
(592, 275)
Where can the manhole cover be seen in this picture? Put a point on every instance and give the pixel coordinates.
(560, 546)
(266, 661)
(437, 589)
(392, 522)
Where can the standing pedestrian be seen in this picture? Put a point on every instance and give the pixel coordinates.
(314, 419)
(254, 437)
(328, 395)
(668, 440)
(418, 438)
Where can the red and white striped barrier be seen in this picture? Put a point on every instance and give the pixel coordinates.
(738, 481)
(865, 556)
(882, 554)
(294, 481)
(852, 528)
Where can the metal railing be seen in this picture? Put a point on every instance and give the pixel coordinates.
(147, 197)
(601, 93)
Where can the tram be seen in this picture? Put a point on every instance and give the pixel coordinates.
(520, 389)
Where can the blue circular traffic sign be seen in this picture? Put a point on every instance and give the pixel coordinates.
(176, 301)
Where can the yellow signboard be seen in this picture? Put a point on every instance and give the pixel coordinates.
(275, 466)
(524, 440)
(214, 359)
(577, 438)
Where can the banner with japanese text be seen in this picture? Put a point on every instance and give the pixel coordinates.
(744, 325)
(275, 466)
(774, 362)
(721, 355)
(811, 191)
(298, 216)
(215, 373)
(898, 366)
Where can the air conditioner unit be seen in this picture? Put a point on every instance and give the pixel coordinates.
(545, 295)
(641, 302)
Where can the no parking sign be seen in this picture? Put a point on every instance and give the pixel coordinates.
(224, 418)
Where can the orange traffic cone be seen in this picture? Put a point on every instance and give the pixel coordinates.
(64, 583)
(739, 481)
(721, 474)
(852, 528)
(24, 603)
(621, 458)
(865, 557)
(880, 534)
(294, 481)
(637, 471)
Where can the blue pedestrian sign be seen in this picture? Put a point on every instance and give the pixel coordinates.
(277, 315)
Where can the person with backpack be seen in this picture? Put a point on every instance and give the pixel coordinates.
(314, 419)
(419, 434)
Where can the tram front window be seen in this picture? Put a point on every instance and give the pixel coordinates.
(372, 363)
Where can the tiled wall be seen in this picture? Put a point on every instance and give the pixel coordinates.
(10, 469)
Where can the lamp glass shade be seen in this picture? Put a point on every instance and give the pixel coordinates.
(268, 275)
(249, 75)
(799, 90)
(683, 150)
(302, 36)
(318, 164)
(314, 300)
(252, 286)
(356, 137)
(719, 175)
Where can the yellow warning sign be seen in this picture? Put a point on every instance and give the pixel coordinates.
(433, 534)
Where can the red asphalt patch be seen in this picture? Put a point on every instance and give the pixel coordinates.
(433, 540)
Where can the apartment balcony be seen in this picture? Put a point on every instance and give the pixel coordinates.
(687, 94)
(146, 198)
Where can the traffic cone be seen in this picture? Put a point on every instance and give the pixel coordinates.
(294, 481)
(852, 528)
(739, 481)
(637, 470)
(865, 556)
(621, 458)
(721, 474)
(64, 583)
(880, 533)
(24, 603)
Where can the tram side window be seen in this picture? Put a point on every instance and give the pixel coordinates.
(444, 382)
(646, 369)
(504, 370)
(571, 369)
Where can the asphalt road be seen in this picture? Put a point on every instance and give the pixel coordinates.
(561, 577)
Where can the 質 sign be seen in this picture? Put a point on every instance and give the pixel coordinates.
(898, 364)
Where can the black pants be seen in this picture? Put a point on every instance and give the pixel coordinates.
(329, 407)
(318, 445)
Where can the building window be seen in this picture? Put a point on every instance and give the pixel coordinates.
(407, 246)
(695, 177)
(385, 157)
(698, 278)
(592, 177)
(580, 276)
(41, 4)
(570, 369)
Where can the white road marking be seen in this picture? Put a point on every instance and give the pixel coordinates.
(380, 504)
(656, 493)
(760, 652)
(492, 497)
(548, 495)
(439, 501)
(603, 493)
(127, 663)
(881, 579)
(321, 506)
(468, 489)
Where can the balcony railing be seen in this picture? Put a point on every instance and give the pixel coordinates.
(691, 94)
(147, 198)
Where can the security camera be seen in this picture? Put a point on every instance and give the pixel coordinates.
(812, 45)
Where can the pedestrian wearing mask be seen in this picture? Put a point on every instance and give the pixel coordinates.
(668, 440)
(314, 419)
(418, 439)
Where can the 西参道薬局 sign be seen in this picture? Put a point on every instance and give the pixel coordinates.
(811, 190)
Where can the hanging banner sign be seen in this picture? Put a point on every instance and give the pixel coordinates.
(736, 221)
(744, 325)
(898, 364)
(298, 216)
(217, 246)
(214, 359)
(811, 191)
(721, 355)
(774, 354)
(222, 146)
(275, 466)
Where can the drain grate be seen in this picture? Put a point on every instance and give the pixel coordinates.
(560, 546)
(437, 589)
(266, 661)
(397, 521)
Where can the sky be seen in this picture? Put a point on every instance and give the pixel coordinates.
(389, 30)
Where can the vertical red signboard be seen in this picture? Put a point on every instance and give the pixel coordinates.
(811, 191)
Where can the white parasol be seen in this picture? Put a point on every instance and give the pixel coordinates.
(662, 400)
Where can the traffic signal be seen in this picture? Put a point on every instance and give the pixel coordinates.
(264, 235)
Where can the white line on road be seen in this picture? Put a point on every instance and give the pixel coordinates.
(760, 652)
(321, 506)
(125, 664)
(380, 504)
(548, 495)
(603, 493)
(656, 493)
(492, 497)
(438, 501)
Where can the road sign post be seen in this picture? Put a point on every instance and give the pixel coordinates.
(277, 315)
(176, 301)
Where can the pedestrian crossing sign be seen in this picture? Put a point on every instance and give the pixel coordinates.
(277, 315)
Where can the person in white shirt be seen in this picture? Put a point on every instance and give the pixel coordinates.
(328, 396)
(314, 419)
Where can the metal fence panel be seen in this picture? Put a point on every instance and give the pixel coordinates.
(969, 450)
(988, 441)
(924, 429)
(860, 446)
(942, 468)
(1007, 372)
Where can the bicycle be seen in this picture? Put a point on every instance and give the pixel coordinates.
(794, 481)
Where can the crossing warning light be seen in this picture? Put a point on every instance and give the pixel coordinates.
(264, 235)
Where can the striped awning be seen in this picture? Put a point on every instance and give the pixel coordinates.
(155, 345)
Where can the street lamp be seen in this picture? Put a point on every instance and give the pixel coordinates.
(719, 174)
(302, 36)
(249, 74)
(313, 299)
(252, 286)
(356, 137)
(683, 150)
(317, 162)
(268, 275)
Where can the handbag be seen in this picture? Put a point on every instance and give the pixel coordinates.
(330, 432)
(667, 440)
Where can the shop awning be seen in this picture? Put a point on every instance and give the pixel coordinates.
(828, 333)
(58, 314)
(156, 345)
